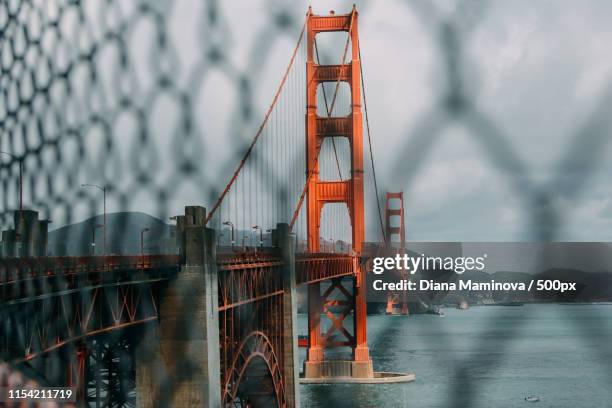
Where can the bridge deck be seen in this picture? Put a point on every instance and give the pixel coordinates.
(86, 296)
(310, 267)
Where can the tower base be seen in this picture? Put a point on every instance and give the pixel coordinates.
(347, 372)
(338, 369)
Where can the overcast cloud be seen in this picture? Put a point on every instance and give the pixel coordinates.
(531, 162)
(537, 69)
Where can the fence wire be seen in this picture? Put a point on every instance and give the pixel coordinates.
(125, 94)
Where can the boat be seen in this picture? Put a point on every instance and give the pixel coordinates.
(532, 398)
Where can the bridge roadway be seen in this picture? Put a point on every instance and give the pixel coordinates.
(244, 277)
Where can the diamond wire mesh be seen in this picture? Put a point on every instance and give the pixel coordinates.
(102, 91)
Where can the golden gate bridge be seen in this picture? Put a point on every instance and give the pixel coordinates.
(217, 325)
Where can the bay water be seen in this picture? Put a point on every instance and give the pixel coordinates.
(486, 356)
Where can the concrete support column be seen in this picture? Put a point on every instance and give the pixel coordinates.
(188, 327)
(150, 368)
(285, 248)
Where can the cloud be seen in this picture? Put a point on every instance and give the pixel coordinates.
(535, 69)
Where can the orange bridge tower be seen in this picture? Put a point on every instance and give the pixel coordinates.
(349, 192)
(392, 212)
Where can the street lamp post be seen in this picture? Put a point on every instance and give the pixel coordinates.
(93, 238)
(103, 189)
(18, 228)
(231, 225)
(257, 227)
(142, 254)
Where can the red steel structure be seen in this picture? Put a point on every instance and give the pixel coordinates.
(56, 305)
(251, 319)
(84, 297)
(77, 297)
(396, 233)
(349, 192)
(391, 211)
(250, 331)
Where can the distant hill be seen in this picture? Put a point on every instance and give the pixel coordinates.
(588, 265)
(122, 235)
(590, 287)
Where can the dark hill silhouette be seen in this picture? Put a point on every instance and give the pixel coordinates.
(123, 235)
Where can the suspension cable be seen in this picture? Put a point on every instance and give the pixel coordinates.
(261, 127)
(365, 106)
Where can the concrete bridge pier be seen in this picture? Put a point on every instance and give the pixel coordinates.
(178, 363)
(282, 240)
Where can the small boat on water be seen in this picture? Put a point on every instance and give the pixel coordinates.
(532, 398)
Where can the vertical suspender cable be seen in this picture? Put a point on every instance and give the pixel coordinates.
(365, 106)
(261, 127)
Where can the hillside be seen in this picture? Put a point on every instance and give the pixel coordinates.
(123, 235)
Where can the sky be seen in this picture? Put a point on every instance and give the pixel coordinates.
(536, 70)
(524, 161)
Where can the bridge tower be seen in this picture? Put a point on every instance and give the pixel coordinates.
(395, 234)
(349, 192)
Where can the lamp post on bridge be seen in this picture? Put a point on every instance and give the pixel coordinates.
(18, 228)
(103, 189)
(93, 238)
(142, 253)
(231, 225)
(257, 227)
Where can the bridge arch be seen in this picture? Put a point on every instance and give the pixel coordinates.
(254, 379)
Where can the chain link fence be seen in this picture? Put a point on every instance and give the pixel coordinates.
(158, 100)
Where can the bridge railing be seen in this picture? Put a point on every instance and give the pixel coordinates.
(13, 269)
(314, 267)
(33, 278)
